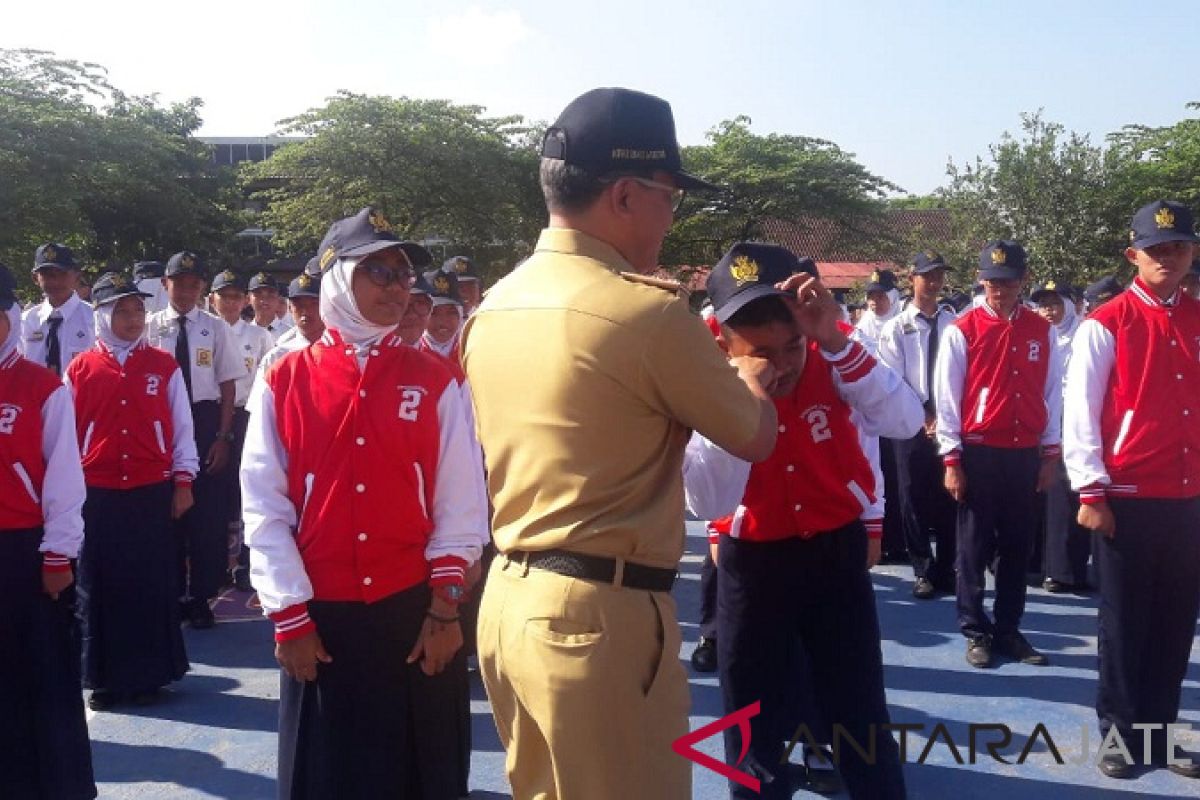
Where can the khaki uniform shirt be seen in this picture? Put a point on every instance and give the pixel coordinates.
(586, 388)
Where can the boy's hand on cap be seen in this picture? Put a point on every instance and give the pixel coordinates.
(757, 373)
(816, 311)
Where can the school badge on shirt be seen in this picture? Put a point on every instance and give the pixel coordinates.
(203, 357)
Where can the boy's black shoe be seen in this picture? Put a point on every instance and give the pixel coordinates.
(979, 651)
(1018, 648)
(704, 657)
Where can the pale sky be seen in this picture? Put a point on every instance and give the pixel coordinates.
(903, 85)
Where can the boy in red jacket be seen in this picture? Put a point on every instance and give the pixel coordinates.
(795, 560)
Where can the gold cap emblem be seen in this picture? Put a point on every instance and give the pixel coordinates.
(999, 257)
(876, 277)
(262, 277)
(1051, 285)
(379, 222)
(327, 257)
(460, 265)
(1164, 218)
(50, 253)
(119, 282)
(228, 275)
(744, 270)
(304, 281)
(188, 261)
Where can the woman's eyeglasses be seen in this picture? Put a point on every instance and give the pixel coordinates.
(384, 276)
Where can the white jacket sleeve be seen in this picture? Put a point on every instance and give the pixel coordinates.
(63, 490)
(714, 482)
(460, 507)
(276, 567)
(886, 405)
(184, 459)
(1052, 436)
(1093, 355)
(949, 373)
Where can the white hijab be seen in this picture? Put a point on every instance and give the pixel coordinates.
(14, 331)
(340, 311)
(104, 333)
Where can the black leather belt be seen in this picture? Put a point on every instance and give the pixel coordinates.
(597, 568)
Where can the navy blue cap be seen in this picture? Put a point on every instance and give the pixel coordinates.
(748, 272)
(305, 285)
(462, 267)
(54, 256)
(882, 280)
(142, 270)
(444, 286)
(958, 300)
(365, 233)
(1050, 287)
(1002, 260)
(928, 261)
(184, 263)
(808, 267)
(421, 285)
(227, 278)
(613, 130)
(112, 286)
(1162, 221)
(8, 288)
(1102, 290)
(264, 280)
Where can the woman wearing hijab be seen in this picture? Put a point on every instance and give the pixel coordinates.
(445, 323)
(44, 750)
(364, 507)
(139, 458)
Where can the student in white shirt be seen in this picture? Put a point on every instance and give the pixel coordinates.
(60, 327)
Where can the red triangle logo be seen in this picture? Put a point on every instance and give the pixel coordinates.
(684, 745)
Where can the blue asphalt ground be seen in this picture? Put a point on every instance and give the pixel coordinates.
(214, 734)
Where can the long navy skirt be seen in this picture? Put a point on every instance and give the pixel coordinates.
(44, 750)
(371, 725)
(129, 592)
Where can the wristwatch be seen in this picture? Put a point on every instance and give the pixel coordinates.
(451, 593)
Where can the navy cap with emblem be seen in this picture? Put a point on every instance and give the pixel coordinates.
(1160, 222)
(927, 261)
(305, 284)
(462, 267)
(808, 267)
(1102, 290)
(882, 280)
(1048, 288)
(112, 286)
(144, 270)
(421, 285)
(184, 263)
(1002, 260)
(8, 288)
(612, 130)
(54, 256)
(748, 272)
(444, 286)
(365, 233)
(958, 300)
(264, 280)
(226, 279)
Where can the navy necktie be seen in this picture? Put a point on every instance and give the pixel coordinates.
(54, 346)
(183, 355)
(931, 358)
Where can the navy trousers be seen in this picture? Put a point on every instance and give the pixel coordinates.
(1149, 597)
(995, 524)
(925, 508)
(816, 592)
(708, 597)
(1068, 544)
(203, 532)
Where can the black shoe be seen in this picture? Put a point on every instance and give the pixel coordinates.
(979, 651)
(826, 780)
(200, 615)
(1055, 587)
(101, 700)
(704, 657)
(241, 580)
(1191, 770)
(923, 589)
(147, 698)
(1113, 766)
(1016, 647)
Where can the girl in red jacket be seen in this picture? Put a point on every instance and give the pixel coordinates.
(139, 458)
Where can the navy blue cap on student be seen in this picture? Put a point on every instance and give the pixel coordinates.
(1051, 287)
(1102, 290)
(1160, 222)
(1002, 260)
(365, 233)
(8, 288)
(614, 131)
(748, 272)
(305, 285)
(184, 263)
(444, 287)
(462, 267)
(264, 280)
(421, 285)
(112, 286)
(882, 280)
(54, 256)
(144, 270)
(227, 278)
(927, 261)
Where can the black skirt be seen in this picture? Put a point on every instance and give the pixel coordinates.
(372, 725)
(44, 750)
(128, 591)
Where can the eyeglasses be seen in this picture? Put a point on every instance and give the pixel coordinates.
(384, 277)
(676, 194)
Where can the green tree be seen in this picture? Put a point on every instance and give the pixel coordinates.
(435, 169)
(1156, 164)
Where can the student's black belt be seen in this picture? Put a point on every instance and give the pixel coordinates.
(597, 568)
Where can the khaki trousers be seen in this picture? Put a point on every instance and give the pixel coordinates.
(586, 686)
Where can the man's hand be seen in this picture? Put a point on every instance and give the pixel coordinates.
(436, 645)
(874, 552)
(217, 458)
(1047, 474)
(55, 583)
(757, 373)
(956, 483)
(816, 311)
(181, 500)
(1098, 517)
(299, 657)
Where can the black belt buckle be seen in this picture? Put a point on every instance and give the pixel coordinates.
(598, 568)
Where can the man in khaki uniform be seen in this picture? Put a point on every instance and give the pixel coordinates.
(587, 383)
